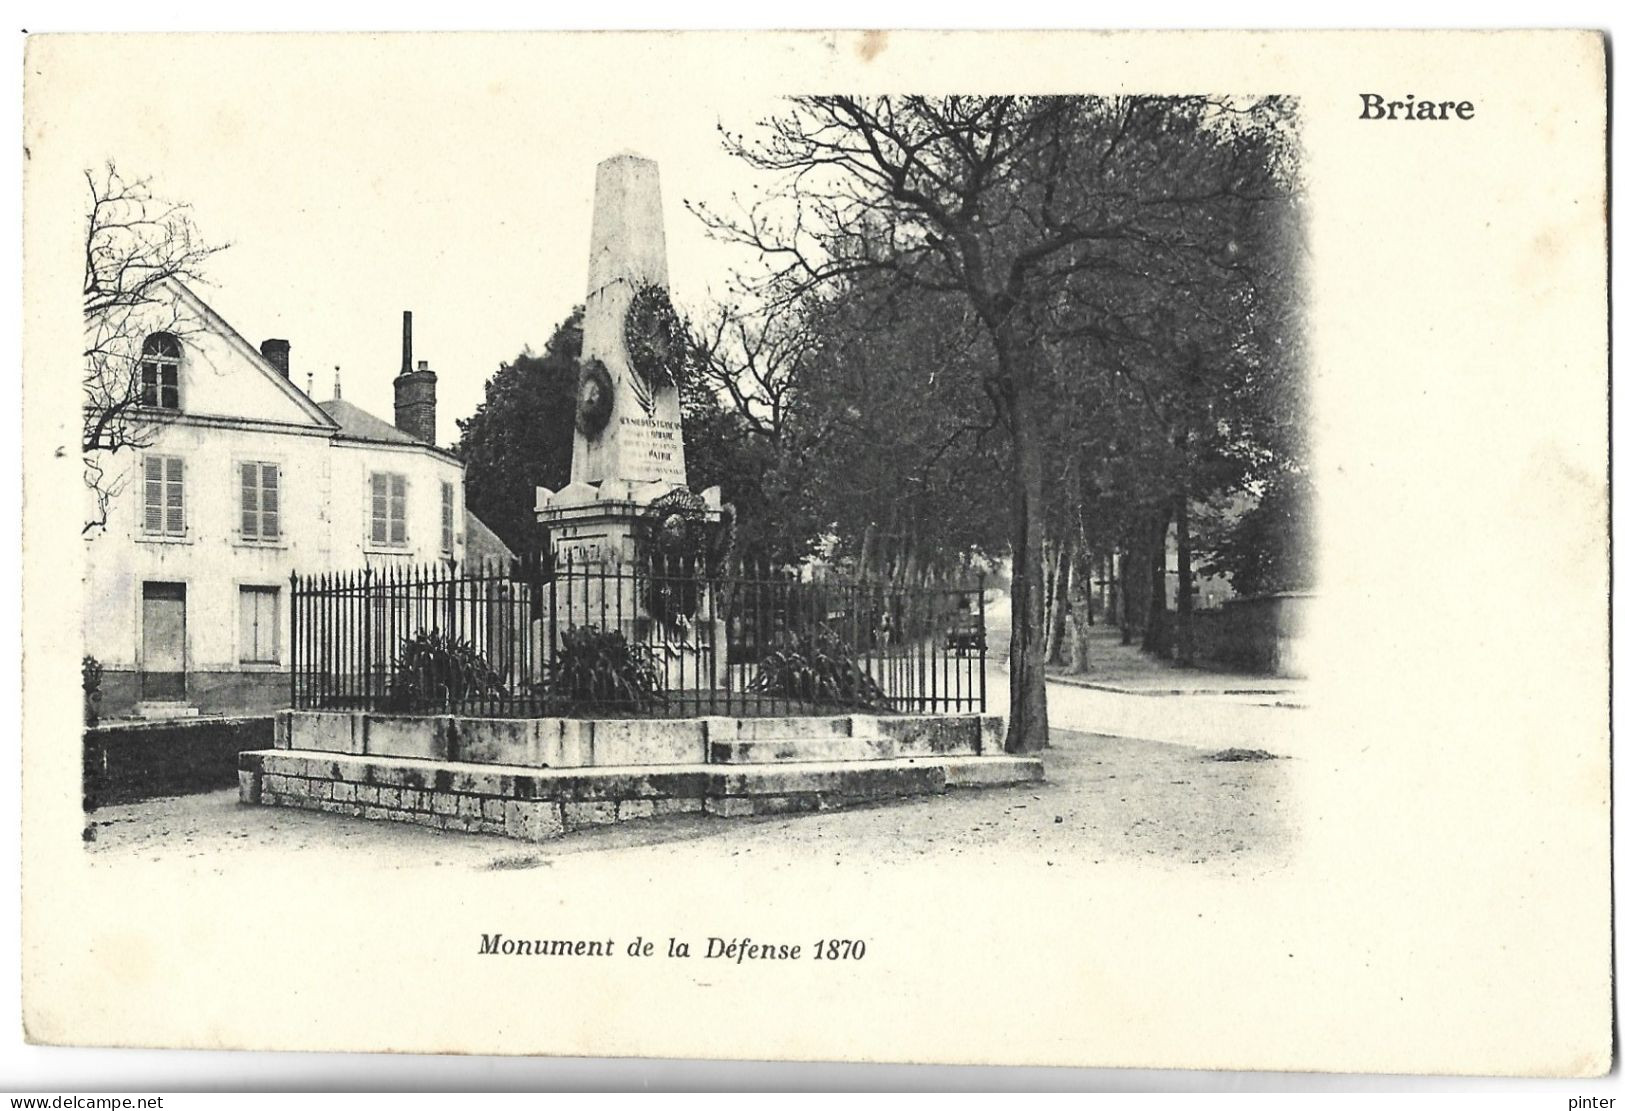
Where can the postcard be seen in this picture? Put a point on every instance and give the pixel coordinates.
(950, 547)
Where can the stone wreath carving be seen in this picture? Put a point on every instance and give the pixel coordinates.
(595, 399)
(656, 343)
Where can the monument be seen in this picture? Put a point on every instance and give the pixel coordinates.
(626, 468)
(611, 536)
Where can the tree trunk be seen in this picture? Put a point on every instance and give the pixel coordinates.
(1078, 635)
(1186, 655)
(1060, 603)
(1029, 706)
(1078, 620)
(1051, 598)
(866, 552)
(1156, 608)
(1090, 565)
(1128, 590)
(910, 569)
(1114, 571)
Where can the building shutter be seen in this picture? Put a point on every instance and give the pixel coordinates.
(247, 622)
(380, 509)
(270, 502)
(448, 503)
(251, 500)
(153, 521)
(397, 509)
(258, 628)
(174, 505)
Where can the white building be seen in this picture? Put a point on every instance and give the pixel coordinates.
(242, 480)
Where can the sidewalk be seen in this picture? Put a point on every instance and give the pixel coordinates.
(1119, 668)
(1123, 697)
(1124, 669)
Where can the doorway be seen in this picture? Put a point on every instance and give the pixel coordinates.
(163, 642)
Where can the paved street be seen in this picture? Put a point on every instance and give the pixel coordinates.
(1105, 800)
(1131, 695)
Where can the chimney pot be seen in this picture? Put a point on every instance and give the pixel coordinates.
(406, 342)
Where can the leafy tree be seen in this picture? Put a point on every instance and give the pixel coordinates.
(1205, 341)
(1270, 547)
(521, 436)
(900, 452)
(1010, 206)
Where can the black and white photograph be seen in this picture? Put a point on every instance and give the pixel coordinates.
(966, 549)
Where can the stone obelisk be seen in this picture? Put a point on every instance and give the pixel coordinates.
(629, 431)
(643, 440)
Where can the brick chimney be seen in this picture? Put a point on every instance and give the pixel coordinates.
(276, 353)
(414, 391)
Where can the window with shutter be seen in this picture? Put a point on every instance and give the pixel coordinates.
(388, 495)
(258, 631)
(163, 496)
(261, 501)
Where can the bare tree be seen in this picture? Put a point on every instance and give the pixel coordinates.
(754, 358)
(135, 245)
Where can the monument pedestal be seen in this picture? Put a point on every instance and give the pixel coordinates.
(595, 534)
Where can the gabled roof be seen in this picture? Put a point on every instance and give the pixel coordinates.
(218, 324)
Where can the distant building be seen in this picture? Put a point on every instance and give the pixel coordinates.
(243, 480)
(1208, 591)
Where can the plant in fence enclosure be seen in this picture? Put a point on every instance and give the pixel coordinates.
(435, 671)
(817, 665)
(599, 668)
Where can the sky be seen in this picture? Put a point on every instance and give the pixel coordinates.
(358, 177)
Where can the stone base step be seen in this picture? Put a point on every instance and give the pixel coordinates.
(573, 743)
(164, 711)
(535, 803)
(792, 750)
(785, 750)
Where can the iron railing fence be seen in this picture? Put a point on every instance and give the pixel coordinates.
(536, 638)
